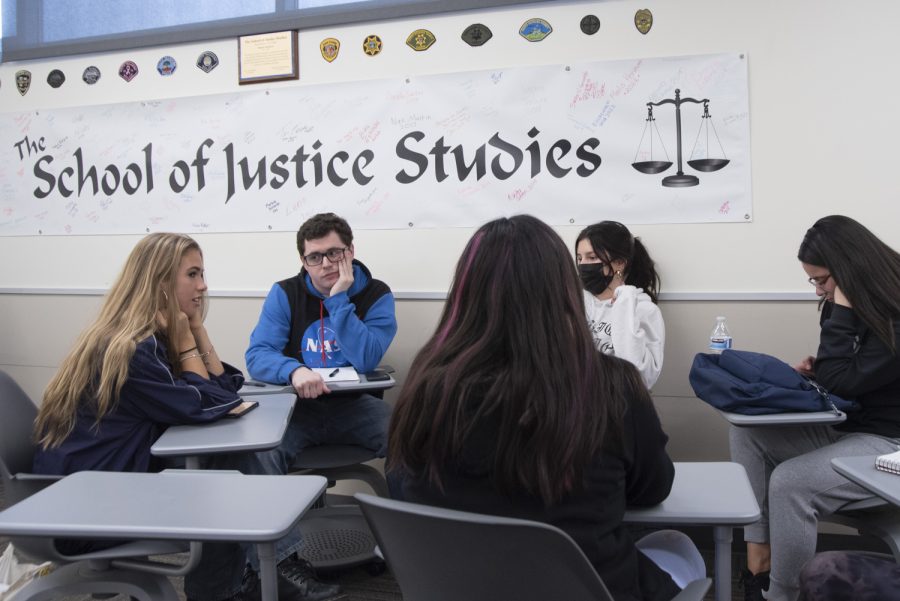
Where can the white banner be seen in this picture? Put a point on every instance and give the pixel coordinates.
(449, 150)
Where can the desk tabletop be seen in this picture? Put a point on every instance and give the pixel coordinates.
(785, 419)
(260, 429)
(862, 471)
(703, 493)
(171, 505)
(252, 388)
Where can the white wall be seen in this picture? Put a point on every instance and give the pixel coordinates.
(821, 129)
(822, 126)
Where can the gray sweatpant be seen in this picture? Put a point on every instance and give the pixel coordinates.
(790, 471)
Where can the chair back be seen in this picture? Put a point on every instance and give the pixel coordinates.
(17, 414)
(445, 555)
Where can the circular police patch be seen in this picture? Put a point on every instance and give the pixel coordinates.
(56, 78)
(590, 24)
(91, 75)
(166, 66)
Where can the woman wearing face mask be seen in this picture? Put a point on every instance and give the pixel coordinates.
(621, 289)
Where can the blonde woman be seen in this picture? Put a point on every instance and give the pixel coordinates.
(145, 363)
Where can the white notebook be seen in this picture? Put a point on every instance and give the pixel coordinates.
(889, 462)
(337, 374)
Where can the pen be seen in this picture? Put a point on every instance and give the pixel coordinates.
(334, 373)
(251, 383)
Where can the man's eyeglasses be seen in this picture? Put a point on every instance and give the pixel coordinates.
(334, 255)
(819, 281)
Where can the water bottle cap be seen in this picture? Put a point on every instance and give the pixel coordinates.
(721, 318)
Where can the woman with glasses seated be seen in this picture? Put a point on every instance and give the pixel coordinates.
(509, 409)
(621, 290)
(857, 277)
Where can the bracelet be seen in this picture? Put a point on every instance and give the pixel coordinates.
(193, 348)
(201, 355)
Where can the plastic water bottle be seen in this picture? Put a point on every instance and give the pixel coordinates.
(720, 339)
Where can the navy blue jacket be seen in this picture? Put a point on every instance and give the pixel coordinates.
(757, 384)
(151, 400)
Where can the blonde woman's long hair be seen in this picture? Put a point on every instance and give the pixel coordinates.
(97, 366)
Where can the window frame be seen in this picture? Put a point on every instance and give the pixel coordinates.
(285, 17)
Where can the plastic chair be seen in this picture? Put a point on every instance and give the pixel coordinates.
(875, 517)
(335, 533)
(122, 569)
(445, 555)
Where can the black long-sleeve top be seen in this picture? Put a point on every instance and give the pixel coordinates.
(639, 474)
(853, 363)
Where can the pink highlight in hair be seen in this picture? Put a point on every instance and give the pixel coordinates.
(454, 303)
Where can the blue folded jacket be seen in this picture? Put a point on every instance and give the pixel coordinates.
(757, 384)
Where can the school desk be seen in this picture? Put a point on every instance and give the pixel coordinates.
(180, 505)
(717, 494)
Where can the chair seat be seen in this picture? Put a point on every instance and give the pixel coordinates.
(332, 456)
(337, 536)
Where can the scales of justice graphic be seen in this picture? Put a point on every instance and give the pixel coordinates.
(706, 165)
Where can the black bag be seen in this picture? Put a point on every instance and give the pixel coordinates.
(757, 384)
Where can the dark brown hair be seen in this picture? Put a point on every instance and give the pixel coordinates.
(612, 241)
(512, 348)
(865, 269)
(319, 226)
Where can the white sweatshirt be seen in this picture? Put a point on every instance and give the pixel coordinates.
(631, 328)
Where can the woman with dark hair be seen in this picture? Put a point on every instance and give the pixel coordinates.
(620, 296)
(857, 277)
(510, 410)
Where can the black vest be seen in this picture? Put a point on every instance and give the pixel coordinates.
(305, 306)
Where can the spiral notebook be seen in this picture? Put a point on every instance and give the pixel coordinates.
(889, 462)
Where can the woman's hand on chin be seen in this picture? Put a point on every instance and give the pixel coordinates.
(840, 299)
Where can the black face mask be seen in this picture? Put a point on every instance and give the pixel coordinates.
(593, 278)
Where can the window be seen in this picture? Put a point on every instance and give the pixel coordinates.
(1, 30)
(44, 28)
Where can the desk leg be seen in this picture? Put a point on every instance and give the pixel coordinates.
(723, 537)
(267, 571)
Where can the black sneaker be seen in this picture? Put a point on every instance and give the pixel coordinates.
(754, 585)
(297, 582)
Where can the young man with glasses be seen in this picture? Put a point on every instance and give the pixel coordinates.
(332, 314)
